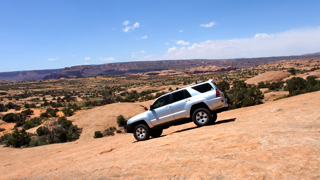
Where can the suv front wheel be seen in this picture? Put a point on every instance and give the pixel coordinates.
(141, 132)
(202, 117)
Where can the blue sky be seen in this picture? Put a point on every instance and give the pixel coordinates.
(52, 34)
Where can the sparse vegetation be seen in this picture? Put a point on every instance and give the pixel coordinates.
(98, 134)
(121, 120)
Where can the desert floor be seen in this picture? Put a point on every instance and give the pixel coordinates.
(276, 140)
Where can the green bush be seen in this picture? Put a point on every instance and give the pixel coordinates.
(292, 71)
(296, 83)
(110, 131)
(42, 131)
(34, 142)
(2, 129)
(67, 112)
(121, 121)
(98, 134)
(11, 117)
(64, 122)
(18, 138)
(224, 85)
(242, 95)
(27, 112)
(34, 122)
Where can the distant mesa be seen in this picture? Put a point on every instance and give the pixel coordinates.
(192, 66)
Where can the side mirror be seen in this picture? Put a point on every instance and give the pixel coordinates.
(151, 107)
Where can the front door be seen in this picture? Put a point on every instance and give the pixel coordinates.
(161, 111)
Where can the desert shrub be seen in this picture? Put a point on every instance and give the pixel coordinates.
(275, 85)
(18, 138)
(42, 130)
(296, 83)
(34, 142)
(11, 117)
(121, 120)
(34, 122)
(51, 112)
(292, 71)
(110, 131)
(242, 96)
(44, 115)
(224, 85)
(67, 112)
(64, 122)
(237, 84)
(2, 129)
(27, 112)
(3, 108)
(98, 134)
(10, 105)
(262, 85)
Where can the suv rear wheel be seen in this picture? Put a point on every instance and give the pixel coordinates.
(141, 132)
(202, 117)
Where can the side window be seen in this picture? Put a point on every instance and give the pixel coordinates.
(186, 94)
(165, 100)
(203, 88)
(180, 95)
(177, 96)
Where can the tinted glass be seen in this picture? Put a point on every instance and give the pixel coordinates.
(186, 94)
(203, 88)
(165, 100)
(177, 96)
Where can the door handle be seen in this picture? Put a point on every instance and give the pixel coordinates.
(168, 107)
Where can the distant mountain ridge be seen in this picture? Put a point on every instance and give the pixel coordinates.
(138, 67)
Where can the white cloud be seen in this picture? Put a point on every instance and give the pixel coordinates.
(136, 25)
(129, 28)
(126, 22)
(143, 52)
(181, 42)
(173, 49)
(87, 58)
(209, 24)
(292, 42)
(133, 55)
(147, 57)
(181, 31)
(53, 59)
(107, 59)
(144, 37)
(167, 43)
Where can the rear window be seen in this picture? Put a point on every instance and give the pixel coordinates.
(203, 88)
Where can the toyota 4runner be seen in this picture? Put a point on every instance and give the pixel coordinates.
(198, 102)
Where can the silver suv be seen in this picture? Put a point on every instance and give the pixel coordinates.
(198, 102)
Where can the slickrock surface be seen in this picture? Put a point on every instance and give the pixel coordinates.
(271, 76)
(277, 140)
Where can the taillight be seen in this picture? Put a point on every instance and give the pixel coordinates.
(218, 94)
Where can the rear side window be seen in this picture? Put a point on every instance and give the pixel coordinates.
(203, 88)
(180, 95)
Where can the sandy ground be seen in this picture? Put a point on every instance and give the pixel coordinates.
(276, 140)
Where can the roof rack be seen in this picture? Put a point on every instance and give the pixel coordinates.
(210, 80)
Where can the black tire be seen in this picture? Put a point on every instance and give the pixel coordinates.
(214, 117)
(141, 132)
(156, 133)
(202, 117)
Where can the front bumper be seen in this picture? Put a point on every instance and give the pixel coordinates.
(128, 128)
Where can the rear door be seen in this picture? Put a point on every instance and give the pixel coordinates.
(161, 111)
(180, 101)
